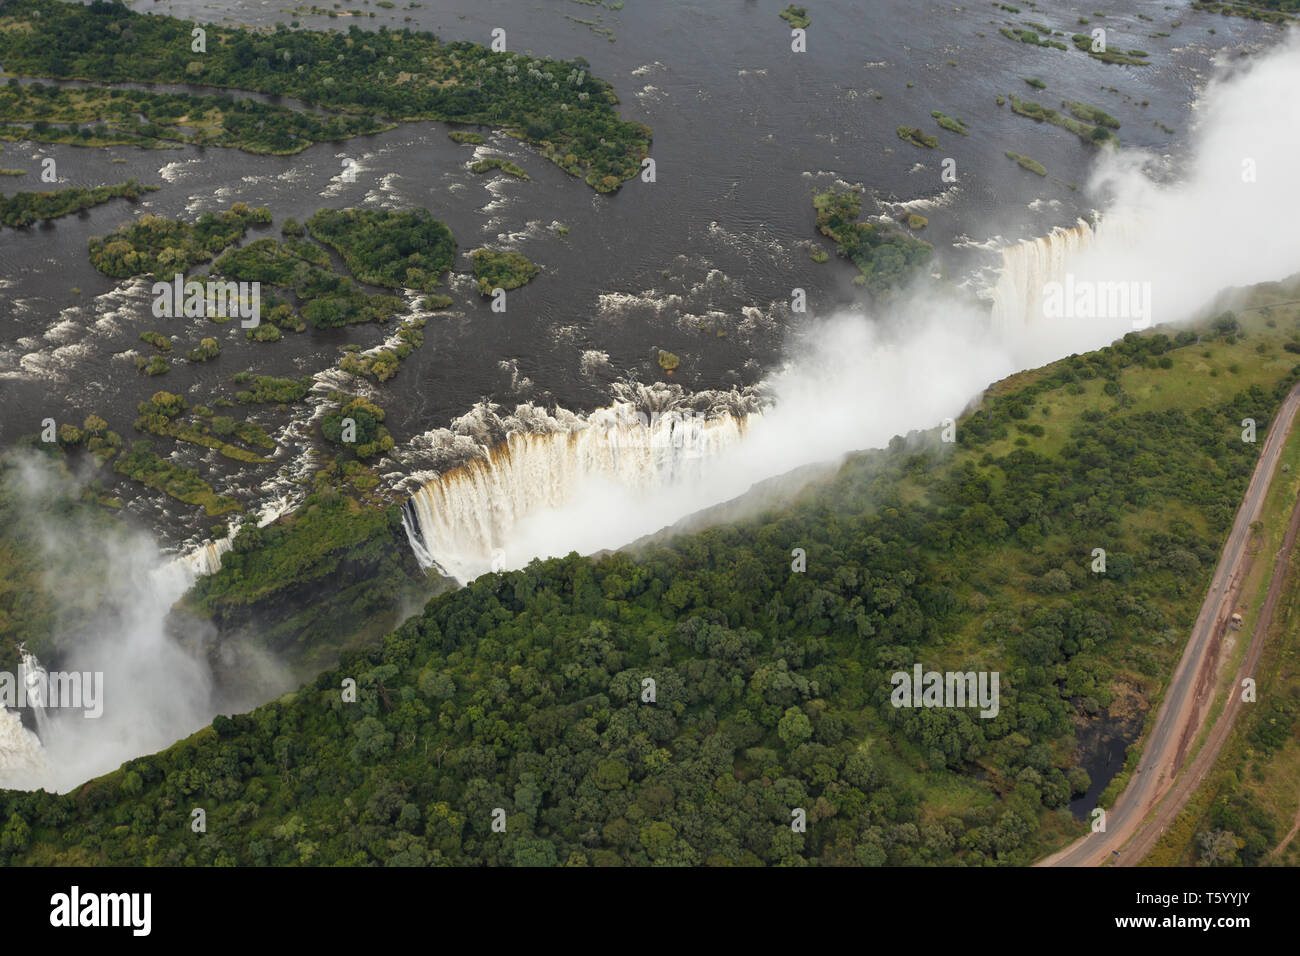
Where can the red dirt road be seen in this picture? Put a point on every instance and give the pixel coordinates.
(1187, 701)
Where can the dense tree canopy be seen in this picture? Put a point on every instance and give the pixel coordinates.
(22, 209)
(525, 693)
(406, 249)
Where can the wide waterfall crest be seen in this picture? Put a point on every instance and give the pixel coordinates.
(464, 520)
(1027, 268)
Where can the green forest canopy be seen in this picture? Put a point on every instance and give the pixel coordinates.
(406, 249)
(523, 691)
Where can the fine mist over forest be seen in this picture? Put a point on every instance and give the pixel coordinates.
(111, 589)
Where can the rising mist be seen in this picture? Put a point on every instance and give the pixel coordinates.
(111, 589)
(855, 379)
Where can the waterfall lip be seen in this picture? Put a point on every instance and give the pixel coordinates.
(1027, 267)
(460, 518)
(204, 557)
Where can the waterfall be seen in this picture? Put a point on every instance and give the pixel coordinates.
(22, 759)
(465, 521)
(1027, 267)
(149, 689)
(35, 677)
(501, 492)
(206, 558)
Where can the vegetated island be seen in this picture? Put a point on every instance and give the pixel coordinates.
(502, 270)
(383, 363)
(1026, 163)
(1090, 114)
(166, 120)
(303, 287)
(1084, 42)
(184, 484)
(886, 258)
(395, 249)
(392, 249)
(162, 415)
(957, 125)
(269, 390)
(1269, 11)
(371, 437)
(155, 365)
(207, 349)
(1032, 37)
(915, 136)
(395, 74)
(797, 17)
(157, 340)
(496, 162)
(25, 208)
(151, 244)
(1097, 135)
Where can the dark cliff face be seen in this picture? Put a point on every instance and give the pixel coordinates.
(338, 598)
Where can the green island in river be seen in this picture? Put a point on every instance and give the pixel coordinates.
(557, 106)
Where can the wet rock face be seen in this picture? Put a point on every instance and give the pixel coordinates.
(359, 590)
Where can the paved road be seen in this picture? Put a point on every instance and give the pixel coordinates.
(1186, 703)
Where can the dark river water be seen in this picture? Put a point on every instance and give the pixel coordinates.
(700, 263)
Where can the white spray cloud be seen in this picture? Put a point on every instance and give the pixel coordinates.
(1229, 219)
(853, 381)
(112, 590)
(153, 691)
(849, 383)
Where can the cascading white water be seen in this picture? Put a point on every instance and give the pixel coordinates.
(856, 382)
(206, 559)
(464, 521)
(22, 759)
(150, 689)
(33, 676)
(1027, 268)
(541, 489)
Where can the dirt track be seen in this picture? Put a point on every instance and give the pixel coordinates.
(1131, 828)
